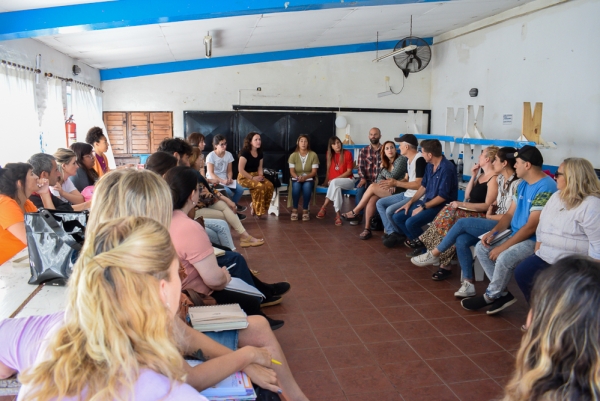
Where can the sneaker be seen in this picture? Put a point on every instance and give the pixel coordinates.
(273, 300)
(474, 303)
(240, 208)
(425, 259)
(241, 216)
(275, 324)
(466, 290)
(416, 252)
(385, 236)
(393, 240)
(502, 303)
(281, 288)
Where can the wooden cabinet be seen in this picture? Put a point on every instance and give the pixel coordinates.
(137, 132)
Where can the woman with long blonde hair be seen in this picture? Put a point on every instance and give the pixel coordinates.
(116, 340)
(569, 223)
(559, 358)
(339, 177)
(66, 162)
(142, 193)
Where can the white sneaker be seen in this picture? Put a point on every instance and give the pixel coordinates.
(425, 259)
(466, 290)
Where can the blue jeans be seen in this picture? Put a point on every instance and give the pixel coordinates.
(526, 272)
(234, 194)
(242, 271)
(219, 233)
(359, 194)
(386, 208)
(500, 271)
(306, 188)
(464, 234)
(411, 225)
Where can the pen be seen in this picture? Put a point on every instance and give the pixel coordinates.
(275, 361)
(494, 234)
(231, 266)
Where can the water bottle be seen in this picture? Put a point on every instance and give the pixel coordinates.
(459, 167)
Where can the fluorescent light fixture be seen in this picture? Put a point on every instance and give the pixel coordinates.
(386, 93)
(396, 52)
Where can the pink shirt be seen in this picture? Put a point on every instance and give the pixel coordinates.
(192, 245)
(22, 340)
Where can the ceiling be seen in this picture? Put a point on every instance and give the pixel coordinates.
(261, 32)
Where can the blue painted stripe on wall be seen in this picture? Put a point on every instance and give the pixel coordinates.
(189, 65)
(123, 13)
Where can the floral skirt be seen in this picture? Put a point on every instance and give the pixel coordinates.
(260, 191)
(440, 226)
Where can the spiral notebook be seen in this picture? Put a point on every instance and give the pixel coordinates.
(218, 317)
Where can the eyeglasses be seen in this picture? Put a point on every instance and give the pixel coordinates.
(91, 156)
(558, 174)
(222, 144)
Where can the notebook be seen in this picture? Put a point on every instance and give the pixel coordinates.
(238, 285)
(499, 236)
(466, 208)
(218, 252)
(235, 387)
(218, 317)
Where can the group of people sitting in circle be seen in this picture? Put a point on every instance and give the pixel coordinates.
(121, 335)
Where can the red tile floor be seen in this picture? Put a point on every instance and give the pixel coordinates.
(364, 324)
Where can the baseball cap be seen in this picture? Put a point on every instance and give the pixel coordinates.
(408, 138)
(530, 154)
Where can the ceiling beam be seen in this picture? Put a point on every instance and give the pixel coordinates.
(228, 61)
(124, 13)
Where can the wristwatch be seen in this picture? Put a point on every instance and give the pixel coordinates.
(424, 206)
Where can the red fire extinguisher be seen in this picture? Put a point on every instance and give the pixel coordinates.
(71, 130)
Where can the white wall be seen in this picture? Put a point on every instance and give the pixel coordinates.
(24, 51)
(350, 80)
(547, 56)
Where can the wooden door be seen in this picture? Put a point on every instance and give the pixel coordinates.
(161, 127)
(116, 128)
(139, 132)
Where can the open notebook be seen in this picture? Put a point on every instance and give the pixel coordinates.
(218, 317)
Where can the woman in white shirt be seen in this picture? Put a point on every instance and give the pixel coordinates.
(219, 164)
(66, 161)
(569, 223)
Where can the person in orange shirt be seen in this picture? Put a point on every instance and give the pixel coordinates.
(17, 183)
(96, 138)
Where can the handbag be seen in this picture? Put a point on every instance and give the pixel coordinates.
(272, 176)
(54, 240)
(376, 224)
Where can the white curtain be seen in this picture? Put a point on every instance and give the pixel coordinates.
(86, 106)
(53, 116)
(19, 123)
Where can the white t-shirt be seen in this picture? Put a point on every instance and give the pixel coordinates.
(412, 174)
(220, 164)
(67, 186)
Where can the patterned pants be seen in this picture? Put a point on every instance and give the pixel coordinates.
(260, 191)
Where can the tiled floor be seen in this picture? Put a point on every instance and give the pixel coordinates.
(363, 323)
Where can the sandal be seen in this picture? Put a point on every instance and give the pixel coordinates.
(249, 241)
(294, 215)
(347, 216)
(414, 244)
(366, 234)
(441, 274)
(338, 221)
(321, 214)
(305, 215)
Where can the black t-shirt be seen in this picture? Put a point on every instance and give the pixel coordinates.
(420, 165)
(252, 163)
(59, 204)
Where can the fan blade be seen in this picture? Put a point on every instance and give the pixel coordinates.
(419, 64)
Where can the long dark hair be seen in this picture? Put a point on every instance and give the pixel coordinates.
(182, 182)
(503, 152)
(248, 144)
(385, 161)
(298, 142)
(160, 162)
(331, 153)
(82, 149)
(559, 358)
(10, 174)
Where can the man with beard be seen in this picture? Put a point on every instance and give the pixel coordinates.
(369, 163)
